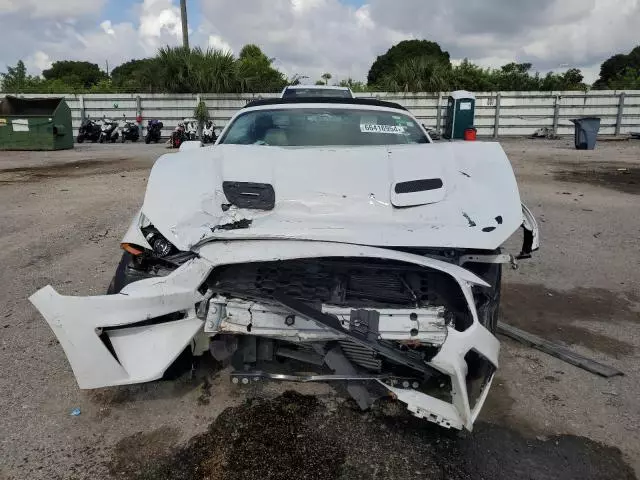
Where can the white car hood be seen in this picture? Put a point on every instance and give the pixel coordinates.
(340, 194)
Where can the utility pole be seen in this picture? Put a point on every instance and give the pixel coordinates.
(185, 28)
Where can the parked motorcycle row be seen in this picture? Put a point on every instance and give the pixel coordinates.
(107, 130)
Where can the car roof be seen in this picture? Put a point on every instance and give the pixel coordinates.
(369, 102)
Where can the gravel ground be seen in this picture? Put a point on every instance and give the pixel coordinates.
(62, 218)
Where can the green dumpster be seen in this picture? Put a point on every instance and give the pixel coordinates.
(460, 114)
(35, 124)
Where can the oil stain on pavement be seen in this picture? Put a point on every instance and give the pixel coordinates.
(557, 315)
(301, 437)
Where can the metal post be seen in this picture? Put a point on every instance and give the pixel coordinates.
(620, 112)
(199, 127)
(185, 28)
(556, 115)
(139, 113)
(82, 112)
(439, 113)
(496, 121)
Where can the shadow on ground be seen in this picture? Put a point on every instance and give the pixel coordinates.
(297, 436)
(620, 177)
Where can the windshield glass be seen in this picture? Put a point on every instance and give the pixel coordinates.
(323, 126)
(316, 92)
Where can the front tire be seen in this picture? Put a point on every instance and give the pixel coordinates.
(80, 138)
(488, 299)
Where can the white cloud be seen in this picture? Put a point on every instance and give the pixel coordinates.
(52, 9)
(38, 61)
(219, 44)
(159, 17)
(106, 27)
(310, 37)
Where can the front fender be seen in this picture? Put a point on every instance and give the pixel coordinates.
(531, 242)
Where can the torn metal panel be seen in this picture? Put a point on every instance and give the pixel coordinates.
(270, 320)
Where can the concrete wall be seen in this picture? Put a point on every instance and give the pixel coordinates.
(519, 113)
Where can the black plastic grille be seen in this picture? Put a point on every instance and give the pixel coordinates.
(344, 281)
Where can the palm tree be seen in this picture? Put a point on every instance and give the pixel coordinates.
(422, 74)
(193, 71)
(326, 77)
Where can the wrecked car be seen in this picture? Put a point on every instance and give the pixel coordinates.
(318, 240)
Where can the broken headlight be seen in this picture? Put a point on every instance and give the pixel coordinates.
(160, 245)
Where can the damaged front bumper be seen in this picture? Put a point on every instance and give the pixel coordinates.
(134, 336)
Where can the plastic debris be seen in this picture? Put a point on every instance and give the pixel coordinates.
(75, 412)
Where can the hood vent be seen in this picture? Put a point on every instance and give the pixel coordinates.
(419, 185)
(414, 193)
(258, 196)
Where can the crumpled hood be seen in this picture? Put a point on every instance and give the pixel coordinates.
(340, 194)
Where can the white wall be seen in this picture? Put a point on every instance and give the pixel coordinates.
(521, 113)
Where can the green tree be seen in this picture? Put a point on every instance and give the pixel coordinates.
(256, 71)
(628, 79)
(572, 79)
(615, 71)
(326, 77)
(15, 79)
(354, 85)
(468, 76)
(81, 74)
(183, 70)
(517, 77)
(401, 52)
(136, 76)
(421, 74)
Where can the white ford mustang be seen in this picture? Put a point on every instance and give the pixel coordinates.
(329, 232)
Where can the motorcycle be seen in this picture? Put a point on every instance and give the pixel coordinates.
(208, 132)
(129, 130)
(108, 131)
(190, 128)
(154, 131)
(178, 136)
(88, 130)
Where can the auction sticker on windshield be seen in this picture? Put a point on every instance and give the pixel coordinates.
(373, 128)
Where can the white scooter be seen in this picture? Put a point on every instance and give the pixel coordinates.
(108, 131)
(190, 128)
(208, 132)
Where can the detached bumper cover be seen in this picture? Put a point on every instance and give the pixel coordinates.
(143, 350)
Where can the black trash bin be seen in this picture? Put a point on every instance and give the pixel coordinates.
(586, 132)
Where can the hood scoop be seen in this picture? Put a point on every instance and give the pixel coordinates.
(257, 196)
(413, 193)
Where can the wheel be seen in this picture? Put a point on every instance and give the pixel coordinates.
(119, 280)
(147, 139)
(101, 139)
(122, 139)
(80, 138)
(115, 138)
(135, 139)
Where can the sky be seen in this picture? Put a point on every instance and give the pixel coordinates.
(310, 37)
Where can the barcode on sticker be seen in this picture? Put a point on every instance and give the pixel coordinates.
(373, 128)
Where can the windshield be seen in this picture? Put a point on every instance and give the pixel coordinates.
(323, 126)
(316, 92)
